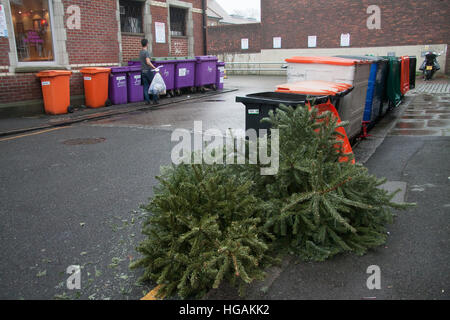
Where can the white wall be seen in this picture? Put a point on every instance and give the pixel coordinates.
(279, 55)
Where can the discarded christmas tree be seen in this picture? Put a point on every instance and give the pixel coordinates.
(212, 223)
(318, 203)
(204, 227)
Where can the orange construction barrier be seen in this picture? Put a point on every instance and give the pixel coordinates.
(55, 90)
(96, 82)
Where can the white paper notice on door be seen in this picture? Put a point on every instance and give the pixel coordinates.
(3, 28)
(160, 32)
(312, 41)
(345, 40)
(244, 44)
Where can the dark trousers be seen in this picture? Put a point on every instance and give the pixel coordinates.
(147, 78)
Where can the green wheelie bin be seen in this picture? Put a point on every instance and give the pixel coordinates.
(393, 92)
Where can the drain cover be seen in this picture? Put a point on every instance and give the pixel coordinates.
(85, 141)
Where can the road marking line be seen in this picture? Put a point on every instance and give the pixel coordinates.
(152, 294)
(30, 134)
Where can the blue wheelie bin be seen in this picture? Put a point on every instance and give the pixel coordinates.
(376, 89)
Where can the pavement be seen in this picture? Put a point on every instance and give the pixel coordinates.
(17, 125)
(70, 195)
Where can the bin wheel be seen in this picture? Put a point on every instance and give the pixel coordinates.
(171, 94)
(193, 89)
(202, 89)
(214, 87)
(70, 109)
(108, 103)
(178, 92)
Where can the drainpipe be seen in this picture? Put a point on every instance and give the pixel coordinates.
(205, 24)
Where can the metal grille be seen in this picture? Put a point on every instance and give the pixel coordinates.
(131, 16)
(177, 21)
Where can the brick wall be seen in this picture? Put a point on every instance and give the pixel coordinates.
(179, 47)
(198, 33)
(227, 38)
(4, 50)
(131, 46)
(403, 22)
(20, 87)
(96, 41)
(76, 84)
(159, 14)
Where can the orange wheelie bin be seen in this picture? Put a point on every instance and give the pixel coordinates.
(96, 82)
(56, 91)
(405, 75)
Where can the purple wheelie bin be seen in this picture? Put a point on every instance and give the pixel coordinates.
(118, 93)
(135, 88)
(185, 75)
(205, 72)
(168, 73)
(220, 76)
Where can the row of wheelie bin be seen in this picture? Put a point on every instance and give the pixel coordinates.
(190, 73)
(121, 85)
(361, 88)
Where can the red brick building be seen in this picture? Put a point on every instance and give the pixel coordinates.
(371, 26)
(72, 34)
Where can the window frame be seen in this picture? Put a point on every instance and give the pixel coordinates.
(20, 64)
(186, 12)
(142, 8)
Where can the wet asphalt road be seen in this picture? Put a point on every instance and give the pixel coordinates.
(66, 204)
(414, 262)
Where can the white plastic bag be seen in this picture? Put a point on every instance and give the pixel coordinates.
(157, 86)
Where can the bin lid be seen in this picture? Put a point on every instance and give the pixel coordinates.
(163, 61)
(326, 60)
(53, 73)
(186, 60)
(206, 58)
(134, 68)
(95, 70)
(369, 58)
(221, 64)
(119, 69)
(316, 88)
(277, 98)
(134, 63)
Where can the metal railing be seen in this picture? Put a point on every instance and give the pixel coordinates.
(255, 67)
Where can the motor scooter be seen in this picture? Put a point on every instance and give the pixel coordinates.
(430, 65)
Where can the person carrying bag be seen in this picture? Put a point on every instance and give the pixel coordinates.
(147, 69)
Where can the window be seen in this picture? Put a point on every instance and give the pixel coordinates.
(131, 16)
(32, 29)
(177, 21)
